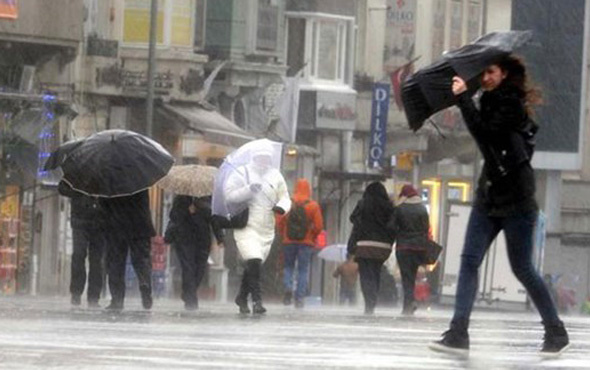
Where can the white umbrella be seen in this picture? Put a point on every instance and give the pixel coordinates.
(334, 252)
(234, 167)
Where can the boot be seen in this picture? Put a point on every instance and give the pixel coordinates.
(76, 300)
(242, 297)
(287, 298)
(146, 297)
(555, 341)
(114, 306)
(254, 267)
(455, 340)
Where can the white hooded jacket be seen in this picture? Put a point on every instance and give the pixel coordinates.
(255, 240)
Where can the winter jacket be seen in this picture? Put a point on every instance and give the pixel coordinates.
(302, 196)
(254, 241)
(85, 212)
(129, 217)
(505, 136)
(371, 237)
(192, 228)
(411, 224)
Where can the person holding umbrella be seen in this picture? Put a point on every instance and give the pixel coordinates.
(250, 181)
(371, 239)
(129, 229)
(505, 198)
(189, 232)
(118, 166)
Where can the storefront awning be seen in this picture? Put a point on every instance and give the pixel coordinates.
(352, 176)
(214, 126)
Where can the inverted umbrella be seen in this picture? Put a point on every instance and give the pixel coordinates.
(115, 163)
(194, 180)
(429, 90)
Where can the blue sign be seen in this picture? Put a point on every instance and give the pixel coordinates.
(379, 111)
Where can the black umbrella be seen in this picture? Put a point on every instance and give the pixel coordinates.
(115, 163)
(59, 155)
(429, 90)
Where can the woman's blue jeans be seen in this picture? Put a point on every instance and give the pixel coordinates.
(481, 231)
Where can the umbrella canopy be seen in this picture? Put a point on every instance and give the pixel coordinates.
(58, 156)
(334, 253)
(429, 90)
(194, 180)
(115, 163)
(233, 165)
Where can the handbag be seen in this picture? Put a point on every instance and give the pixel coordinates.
(433, 250)
(239, 221)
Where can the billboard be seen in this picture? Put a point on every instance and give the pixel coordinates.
(555, 60)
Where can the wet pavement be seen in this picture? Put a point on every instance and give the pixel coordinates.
(45, 333)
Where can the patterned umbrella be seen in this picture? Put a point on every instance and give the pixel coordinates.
(194, 180)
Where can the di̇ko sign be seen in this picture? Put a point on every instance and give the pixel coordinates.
(379, 111)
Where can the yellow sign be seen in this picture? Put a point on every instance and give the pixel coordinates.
(9, 205)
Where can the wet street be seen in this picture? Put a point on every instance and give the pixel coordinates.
(45, 333)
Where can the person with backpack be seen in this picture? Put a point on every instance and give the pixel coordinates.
(299, 229)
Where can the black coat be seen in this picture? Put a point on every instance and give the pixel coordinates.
(86, 212)
(129, 216)
(195, 228)
(505, 136)
(370, 233)
(411, 225)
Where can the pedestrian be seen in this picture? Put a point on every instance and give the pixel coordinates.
(411, 225)
(348, 272)
(505, 198)
(371, 239)
(129, 230)
(88, 241)
(189, 231)
(263, 191)
(299, 229)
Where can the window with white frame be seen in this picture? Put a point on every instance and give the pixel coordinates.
(327, 43)
(175, 22)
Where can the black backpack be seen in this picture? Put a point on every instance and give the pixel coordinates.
(297, 222)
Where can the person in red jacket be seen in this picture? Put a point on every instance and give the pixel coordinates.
(299, 229)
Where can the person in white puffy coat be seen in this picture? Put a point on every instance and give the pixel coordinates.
(264, 190)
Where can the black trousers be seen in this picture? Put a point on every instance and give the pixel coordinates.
(370, 275)
(408, 262)
(87, 243)
(118, 248)
(193, 262)
(251, 282)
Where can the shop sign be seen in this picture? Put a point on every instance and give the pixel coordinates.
(335, 110)
(379, 112)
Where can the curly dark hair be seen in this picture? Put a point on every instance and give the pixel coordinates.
(517, 76)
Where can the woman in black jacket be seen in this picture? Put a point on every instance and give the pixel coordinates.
(370, 241)
(411, 225)
(189, 232)
(504, 200)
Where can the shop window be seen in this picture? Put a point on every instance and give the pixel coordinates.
(239, 114)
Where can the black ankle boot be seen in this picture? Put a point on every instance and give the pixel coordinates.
(258, 309)
(287, 299)
(455, 340)
(555, 340)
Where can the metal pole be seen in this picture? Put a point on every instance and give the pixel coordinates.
(151, 67)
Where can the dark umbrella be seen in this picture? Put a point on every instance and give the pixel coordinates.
(115, 163)
(429, 90)
(59, 155)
